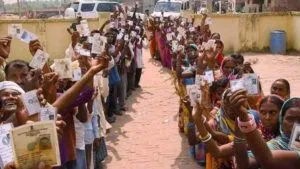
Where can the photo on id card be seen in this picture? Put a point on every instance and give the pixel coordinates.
(27, 36)
(48, 113)
(15, 30)
(251, 83)
(35, 142)
(294, 143)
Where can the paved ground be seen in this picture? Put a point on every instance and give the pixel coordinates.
(147, 135)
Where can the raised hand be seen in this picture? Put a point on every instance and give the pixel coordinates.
(34, 46)
(60, 125)
(239, 100)
(99, 63)
(34, 79)
(5, 44)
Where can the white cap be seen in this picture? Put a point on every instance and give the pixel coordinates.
(11, 85)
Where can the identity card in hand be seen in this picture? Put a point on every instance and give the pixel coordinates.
(27, 36)
(31, 102)
(6, 152)
(15, 30)
(248, 82)
(194, 93)
(99, 42)
(85, 28)
(77, 74)
(63, 68)
(174, 45)
(48, 113)
(39, 59)
(294, 143)
(36, 142)
(209, 76)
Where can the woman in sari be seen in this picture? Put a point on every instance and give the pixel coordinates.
(269, 108)
(276, 154)
(151, 37)
(227, 67)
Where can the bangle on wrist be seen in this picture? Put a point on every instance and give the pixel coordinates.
(239, 140)
(207, 139)
(249, 126)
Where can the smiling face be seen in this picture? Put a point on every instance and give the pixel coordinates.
(269, 114)
(9, 99)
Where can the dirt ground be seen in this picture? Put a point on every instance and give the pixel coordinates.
(271, 67)
(147, 135)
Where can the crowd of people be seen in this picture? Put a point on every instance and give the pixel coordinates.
(85, 107)
(227, 119)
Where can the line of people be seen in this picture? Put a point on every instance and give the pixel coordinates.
(84, 107)
(226, 125)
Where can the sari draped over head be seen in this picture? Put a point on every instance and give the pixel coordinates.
(229, 76)
(282, 141)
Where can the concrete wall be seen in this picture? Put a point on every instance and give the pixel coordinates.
(245, 32)
(296, 31)
(52, 34)
(240, 32)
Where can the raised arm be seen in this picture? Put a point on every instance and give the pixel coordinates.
(264, 156)
(63, 101)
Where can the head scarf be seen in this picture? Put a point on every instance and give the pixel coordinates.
(225, 60)
(282, 141)
(11, 85)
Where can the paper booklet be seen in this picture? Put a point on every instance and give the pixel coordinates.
(63, 68)
(31, 102)
(35, 143)
(39, 59)
(6, 152)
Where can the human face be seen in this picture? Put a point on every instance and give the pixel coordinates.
(192, 54)
(292, 115)
(18, 75)
(278, 88)
(9, 99)
(218, 93)
(110, 38)
(269, 114)
(228, 67)
(219, 48)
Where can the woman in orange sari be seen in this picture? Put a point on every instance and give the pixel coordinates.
(151, 37)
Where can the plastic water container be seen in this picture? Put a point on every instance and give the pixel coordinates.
(278, 42)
